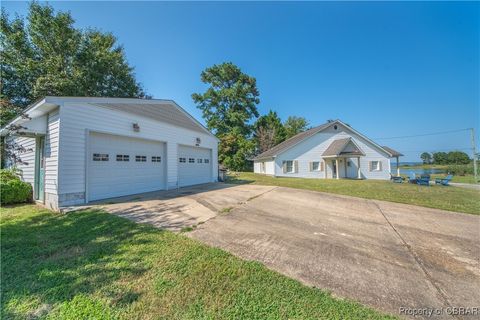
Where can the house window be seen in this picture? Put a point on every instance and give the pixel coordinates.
(199, 160)
(100, 157)
(182, 160)
(349, 163)
(191, 160)
(206, 160)
(289, 168)
(123, 157)
(156, 159)
(375, 166)
(141, 158)
(316, 166)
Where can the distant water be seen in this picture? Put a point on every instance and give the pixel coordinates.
(418, 171)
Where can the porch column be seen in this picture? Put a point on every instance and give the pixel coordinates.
(337, 169)
(325, 168)
(398, 169)
(359, 175)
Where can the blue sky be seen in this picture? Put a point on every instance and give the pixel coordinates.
(388, 69)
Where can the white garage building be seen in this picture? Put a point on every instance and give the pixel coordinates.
(79, 150)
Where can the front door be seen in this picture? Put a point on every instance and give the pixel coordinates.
(40, 170)
(334, 166)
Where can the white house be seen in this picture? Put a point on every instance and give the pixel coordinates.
(79, 150)
(333, 150)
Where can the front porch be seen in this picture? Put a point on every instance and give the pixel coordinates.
(340, 161)
(344, 167)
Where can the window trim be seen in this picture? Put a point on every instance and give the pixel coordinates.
(122, 157)
(318, 166)
(140, 158)
(292, 166)
(101, 157)
(378, 166)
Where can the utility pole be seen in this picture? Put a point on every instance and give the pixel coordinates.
(474, 149)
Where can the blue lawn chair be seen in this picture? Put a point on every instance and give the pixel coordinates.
(412, 178)
(444, 181)
(424, 180)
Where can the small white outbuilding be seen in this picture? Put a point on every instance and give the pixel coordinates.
(82, 149)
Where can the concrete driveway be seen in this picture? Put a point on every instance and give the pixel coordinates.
(185, 207)
(385, 255)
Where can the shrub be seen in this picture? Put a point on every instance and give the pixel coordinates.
(10, 174)
(15, 191)
(461, 170)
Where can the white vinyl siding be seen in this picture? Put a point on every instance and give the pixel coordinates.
(52, 141)
(27, 157)
(269, 167)
(313, 148)
(79, 118)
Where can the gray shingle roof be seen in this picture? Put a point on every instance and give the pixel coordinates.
(394, 153)
(162, 111)
(287, 144)
(336, 148)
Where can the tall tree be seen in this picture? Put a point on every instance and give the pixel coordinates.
(295, 125)
(440, 157)
(269, 131)
(426, 157)
(47, 55)
(228, 106)
(458, 157)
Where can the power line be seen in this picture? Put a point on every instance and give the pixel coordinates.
(438, 150)
(423, 135)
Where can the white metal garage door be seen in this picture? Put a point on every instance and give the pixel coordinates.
(194, 165)
(121, 166)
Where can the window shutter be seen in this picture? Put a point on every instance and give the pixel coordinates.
(370, 165)
(322, 168)
(284, 167)
(311, 166)
(295, 165)
(380, 165)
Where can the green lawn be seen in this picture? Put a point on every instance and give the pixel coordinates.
(468, 178)
(447, 198)
(93, 265)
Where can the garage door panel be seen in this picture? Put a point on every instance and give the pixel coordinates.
(114, 178)
(196, 172)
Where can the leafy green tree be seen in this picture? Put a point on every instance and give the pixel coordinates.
(426, 157)
(439, 157)
(230, 101)
(458, 157)
(269, 131)
(47, 55)
(228, 106)
(295, 125)
(234, 150)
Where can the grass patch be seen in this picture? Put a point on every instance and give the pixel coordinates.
(436, 196)
(92, 265)
(468, 178)
(226, 210)
(188, 229)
